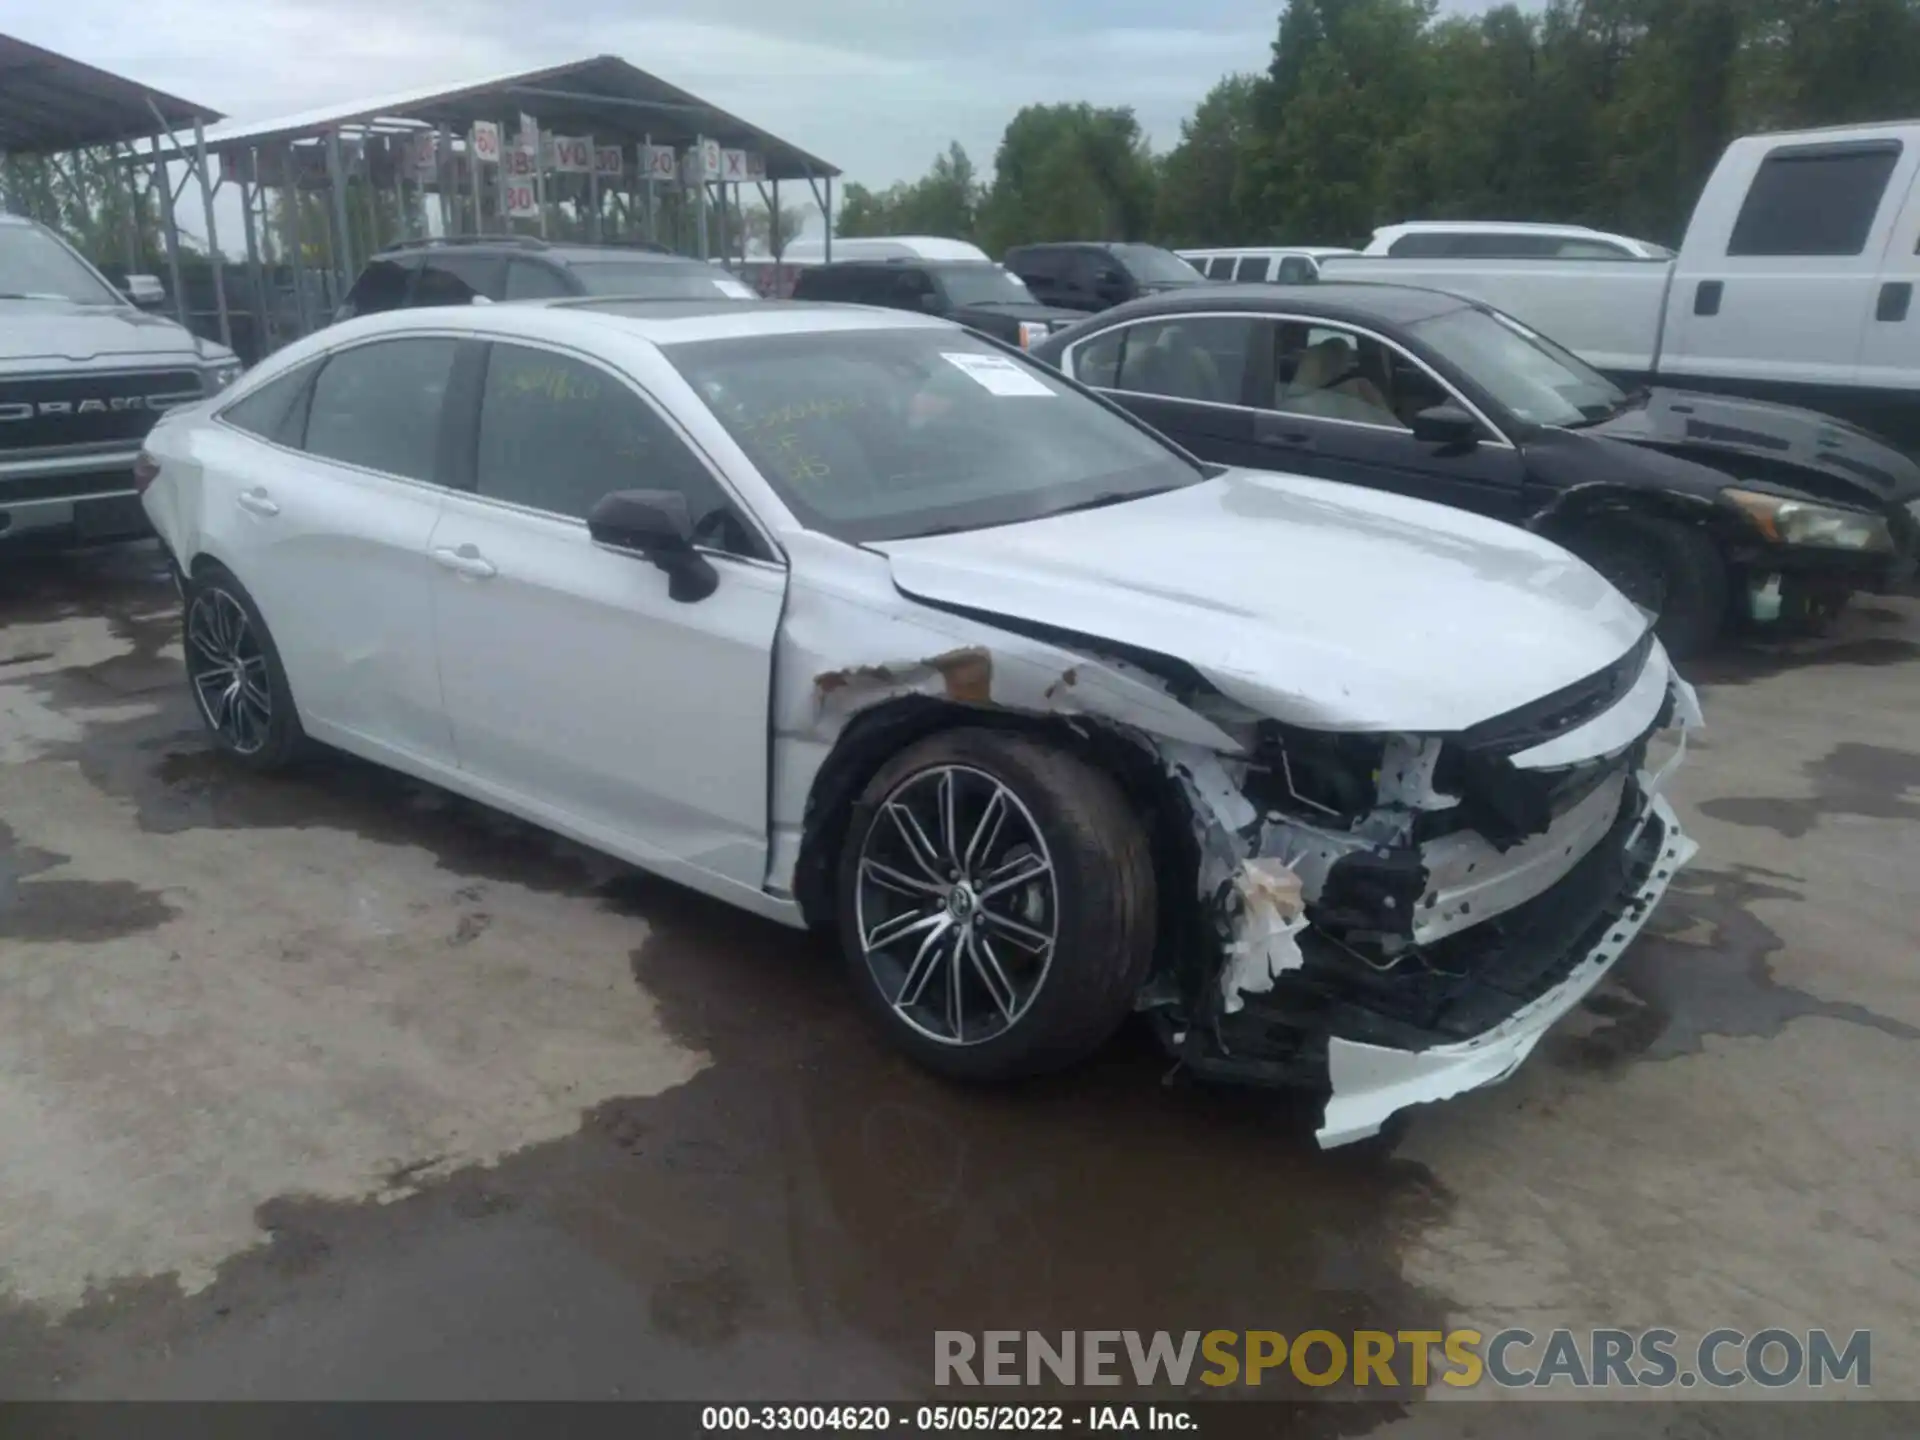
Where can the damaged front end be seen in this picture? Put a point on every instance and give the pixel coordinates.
(1399, 918)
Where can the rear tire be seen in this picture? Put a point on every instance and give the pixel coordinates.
(234, 674)
(1673, 569)
(1047, 933)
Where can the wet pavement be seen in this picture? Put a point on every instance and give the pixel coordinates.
(335, 1085)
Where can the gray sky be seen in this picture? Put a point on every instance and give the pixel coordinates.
(876, 86)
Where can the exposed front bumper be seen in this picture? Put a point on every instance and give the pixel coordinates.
(1372, 1082)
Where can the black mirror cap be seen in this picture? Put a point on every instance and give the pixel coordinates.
(1446, 425)
(656, 524)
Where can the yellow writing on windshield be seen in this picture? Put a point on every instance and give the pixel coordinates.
(555, 382)
(791, 414)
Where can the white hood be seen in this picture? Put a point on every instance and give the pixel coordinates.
(1318, 603)
(62, 330)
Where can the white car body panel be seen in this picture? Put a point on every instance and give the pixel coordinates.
(502, 653)
(1328, 605)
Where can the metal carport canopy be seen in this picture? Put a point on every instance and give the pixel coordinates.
(50, 104)
(604, 97)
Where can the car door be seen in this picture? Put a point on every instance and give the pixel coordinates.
(327, 524)
(1338, 402)
(1186, 376)
(577, 688)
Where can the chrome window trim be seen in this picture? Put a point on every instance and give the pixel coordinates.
(1069, 362)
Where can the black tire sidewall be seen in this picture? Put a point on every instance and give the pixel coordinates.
(286, 741)
(1694, 611)
(1104, 894)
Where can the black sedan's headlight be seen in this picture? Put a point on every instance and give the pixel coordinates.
(1804, 522)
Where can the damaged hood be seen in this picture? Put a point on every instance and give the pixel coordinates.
(1317, 603)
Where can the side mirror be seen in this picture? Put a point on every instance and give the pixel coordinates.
(654, 524)
(1448, 426)
(479, 299)
(146, 291)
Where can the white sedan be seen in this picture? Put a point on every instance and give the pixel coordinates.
(854, 619)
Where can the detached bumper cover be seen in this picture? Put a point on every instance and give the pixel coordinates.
(1370, 1082)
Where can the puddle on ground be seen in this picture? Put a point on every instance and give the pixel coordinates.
(1700, 968)
(1851, 779)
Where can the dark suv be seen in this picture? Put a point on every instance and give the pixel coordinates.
(466, 268)
(975, 293)
(1088, 276)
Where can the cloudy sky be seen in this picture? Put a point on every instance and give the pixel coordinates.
(876, 86)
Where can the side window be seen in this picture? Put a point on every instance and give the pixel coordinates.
(1814, 200)
(449, 278)
(379, 405)
(558, 434)
(530, 280)
(1192, 358)
(1298, 270)
(908, 289)
(277, 411)
(1096, 362)
(381, 286)
(1424, 245)
(1336, 374)
(1220, 267)
(1590, 250)
(1250, 268)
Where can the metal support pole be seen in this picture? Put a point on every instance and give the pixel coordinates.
(250, 190)
(213, 241)
(123, 168)
(828, 254)
(645, 157)
(699, 192)
(297, 210)
(593, 190)
(339, 250)
(540, 175)
(172, 232)
(443, 169)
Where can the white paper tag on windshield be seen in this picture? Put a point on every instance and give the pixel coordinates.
(998, 374)
(734, 290)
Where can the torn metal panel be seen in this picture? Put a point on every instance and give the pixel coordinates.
(1616, 729)
(1372, 1082)
(1271, 913)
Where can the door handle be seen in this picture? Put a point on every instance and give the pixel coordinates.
(467, 560)
(1896, 297)
(1286, 439)
(258, 501)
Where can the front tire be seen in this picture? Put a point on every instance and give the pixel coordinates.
(234, 674)
(1672, 569)
(996, 904)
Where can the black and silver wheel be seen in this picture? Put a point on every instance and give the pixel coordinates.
(997, 904)
(235, 674)
(1673, 570)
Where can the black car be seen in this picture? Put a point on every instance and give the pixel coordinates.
(975, 293)
(1701, 508)
(460, 269)
(1081, 275)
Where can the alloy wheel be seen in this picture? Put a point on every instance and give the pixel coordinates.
(957, 904)
(228, 670)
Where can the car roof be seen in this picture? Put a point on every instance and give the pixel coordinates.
(567, 252)
(1358, 301)
(677, 322)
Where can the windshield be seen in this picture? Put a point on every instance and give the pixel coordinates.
(1524, 371)
(983, 285)
(35, 265)
(1151, 265)
(651, 280)
(884, 434)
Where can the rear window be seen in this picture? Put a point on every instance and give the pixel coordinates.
(654, 280)
(1814, 200)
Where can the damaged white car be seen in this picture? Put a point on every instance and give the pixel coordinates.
(854, 619)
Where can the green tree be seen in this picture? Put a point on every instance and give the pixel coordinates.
(945, 201)
(1202, 196)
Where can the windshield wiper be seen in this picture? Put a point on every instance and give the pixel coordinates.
(28, 295)
(1599, 414)
(1111, 497)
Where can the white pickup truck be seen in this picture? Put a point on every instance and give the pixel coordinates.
(1795, 282)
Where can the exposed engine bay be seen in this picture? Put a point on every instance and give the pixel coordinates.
(1399, 917)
